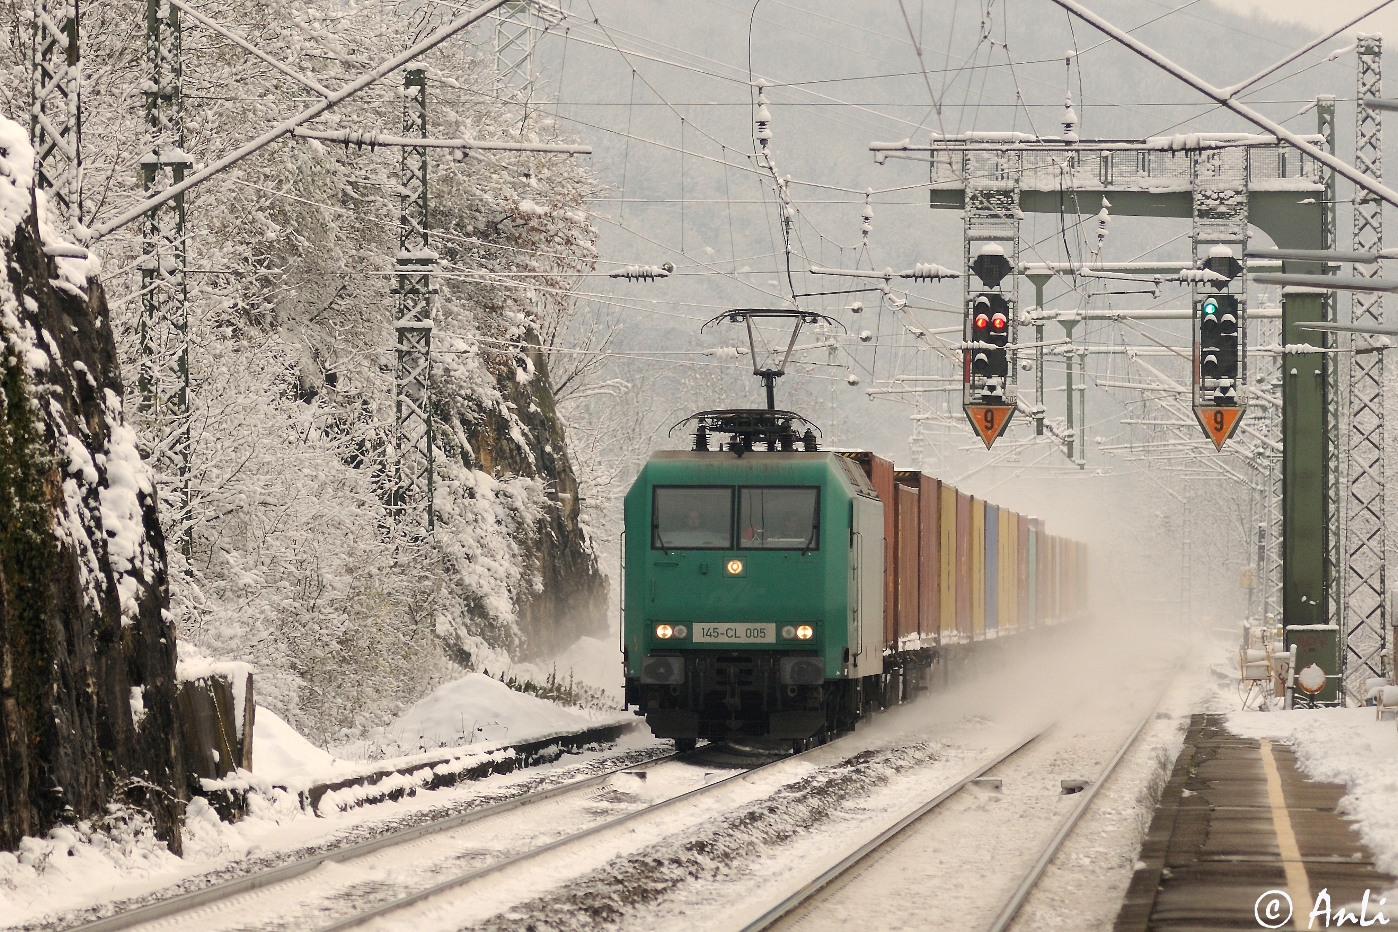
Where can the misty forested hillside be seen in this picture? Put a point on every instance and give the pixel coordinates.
(285, 554)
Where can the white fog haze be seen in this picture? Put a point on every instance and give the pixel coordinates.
(631, 465)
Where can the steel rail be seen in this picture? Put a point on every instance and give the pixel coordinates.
(393, 906)
(1031, 879)
(213, 894)
(1016, 901)
(809, 890)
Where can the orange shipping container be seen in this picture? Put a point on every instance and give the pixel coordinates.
(905, 566)
(963, 565)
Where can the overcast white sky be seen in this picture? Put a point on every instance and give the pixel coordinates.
(1322, 15)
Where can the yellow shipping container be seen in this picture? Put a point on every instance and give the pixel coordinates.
(977, 569)
(1008, 546)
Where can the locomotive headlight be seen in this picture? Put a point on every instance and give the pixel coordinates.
(734, 567)
(789, 632)
(804, 632)
(664, 632)
(681, 631)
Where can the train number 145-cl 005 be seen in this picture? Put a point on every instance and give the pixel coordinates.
(736, 633)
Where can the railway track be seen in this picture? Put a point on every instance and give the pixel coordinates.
(527, 860)
(804, 901)
(351, 886)
(166, 912)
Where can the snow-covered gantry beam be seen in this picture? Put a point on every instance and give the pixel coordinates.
(1009, 142)
(1329, 282)
(1374, 329)
(1336, 256)
(1224, 98)
(285, 127)
(1139, 268)
(1150, 313)
(923, 271)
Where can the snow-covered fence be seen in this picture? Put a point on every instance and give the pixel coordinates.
(451, 766)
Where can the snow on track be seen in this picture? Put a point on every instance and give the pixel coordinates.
(82, 883)
(335, 888)
(712, 869)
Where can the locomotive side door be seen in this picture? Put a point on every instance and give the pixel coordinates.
(866, 587)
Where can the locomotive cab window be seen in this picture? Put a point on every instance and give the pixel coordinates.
(779, 518)
(692, 518)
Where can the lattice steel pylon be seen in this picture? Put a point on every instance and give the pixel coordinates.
(416, 262)
(992, 217)
(1364, 619)
(163, 326)
(514, 47)
(55, 115)
(1336, 375)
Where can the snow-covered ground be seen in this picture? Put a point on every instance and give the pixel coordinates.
(84, 866)
(475, 713)
(1090, 681)
(1347, 746)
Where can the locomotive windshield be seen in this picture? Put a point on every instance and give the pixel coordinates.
(779, 519)
(689, 518)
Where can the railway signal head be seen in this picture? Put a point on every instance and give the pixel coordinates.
(1219, 349)
(980, 335)
(990, 334)
(1208, 340)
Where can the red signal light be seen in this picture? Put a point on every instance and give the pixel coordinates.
(999, 321)
(982, 321)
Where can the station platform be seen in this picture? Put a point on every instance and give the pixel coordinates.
(1237, 826)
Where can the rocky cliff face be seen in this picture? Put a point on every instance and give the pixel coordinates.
(569, 599)
(87, 658)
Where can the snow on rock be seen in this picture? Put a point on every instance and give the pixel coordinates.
(82, 544)
(128, 485)
(477, 707)
(468, 720)
(16, 176)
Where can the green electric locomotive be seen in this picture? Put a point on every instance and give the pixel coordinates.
(772, 589)
(753, 586)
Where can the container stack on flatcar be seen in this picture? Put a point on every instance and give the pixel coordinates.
(789, 592)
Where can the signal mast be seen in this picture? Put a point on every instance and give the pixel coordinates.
(989, 391)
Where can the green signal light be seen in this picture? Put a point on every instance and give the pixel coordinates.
(1210, 306)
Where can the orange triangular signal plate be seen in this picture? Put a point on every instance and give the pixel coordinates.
(989, 420)
(1218, 422)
